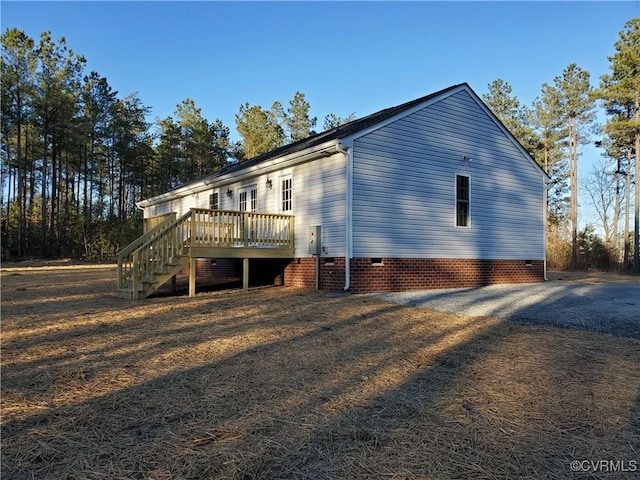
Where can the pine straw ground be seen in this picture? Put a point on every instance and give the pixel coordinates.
(284, 383)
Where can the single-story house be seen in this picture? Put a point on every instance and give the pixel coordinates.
(433, 193)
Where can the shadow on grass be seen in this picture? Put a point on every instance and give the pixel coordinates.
(281, 383)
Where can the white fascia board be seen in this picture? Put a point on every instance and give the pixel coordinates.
(176, 193)
(213, 180)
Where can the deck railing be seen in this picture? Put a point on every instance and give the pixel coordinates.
(159, 248)
(227, 228)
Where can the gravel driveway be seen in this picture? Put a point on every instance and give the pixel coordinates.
(611, 308)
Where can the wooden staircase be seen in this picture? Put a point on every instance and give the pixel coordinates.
(154, 258)
(146, 286)
(151, 260)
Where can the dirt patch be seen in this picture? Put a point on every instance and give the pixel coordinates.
(285, 383)
(593, 277)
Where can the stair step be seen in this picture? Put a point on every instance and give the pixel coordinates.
(125, 293)
(156, 272)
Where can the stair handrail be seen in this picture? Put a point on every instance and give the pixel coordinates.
(154, 254)
(145, 236)
(125, 255)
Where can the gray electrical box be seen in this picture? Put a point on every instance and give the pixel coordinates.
(315, 247)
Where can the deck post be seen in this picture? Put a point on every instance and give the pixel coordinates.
(192, 276)
(245, 274)
(245, 232)
(135, 279)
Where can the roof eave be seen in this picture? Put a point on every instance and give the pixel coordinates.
(220, 180)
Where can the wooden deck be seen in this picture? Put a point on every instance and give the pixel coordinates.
(171, 243)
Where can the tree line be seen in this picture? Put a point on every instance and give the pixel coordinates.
(76, 155)
(552, 129)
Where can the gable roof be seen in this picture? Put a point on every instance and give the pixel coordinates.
(346, 130)
(341, 131)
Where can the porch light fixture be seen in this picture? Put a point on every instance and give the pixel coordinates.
(269, 184)
(466, 159)
(229, 193)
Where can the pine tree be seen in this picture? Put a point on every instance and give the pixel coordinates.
(204, 146)
(163, 173)
(17, 74)
(515, 116)
(333, 121)
(98, 101)
(577, 104)
(260, 129)
(298, 122)
(546, 118)
(55, 103)
(620, 95)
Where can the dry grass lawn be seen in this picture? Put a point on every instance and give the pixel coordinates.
(285, 383)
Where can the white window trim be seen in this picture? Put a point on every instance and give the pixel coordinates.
(215, 192)
(246, 189)
(253, 201)
(281, 178)
(455, 201)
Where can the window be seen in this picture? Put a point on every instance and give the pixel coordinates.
(213, 201)
(287, 194)
(462, 201)
(243, 201)
(254, 199)
(248, 200)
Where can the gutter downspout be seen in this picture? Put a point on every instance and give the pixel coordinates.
(348, 153)
(142, 209)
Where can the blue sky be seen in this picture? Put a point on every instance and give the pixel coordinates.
(344, 56)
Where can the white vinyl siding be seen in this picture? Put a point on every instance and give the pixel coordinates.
(180, 205)
(228, 197)
(404, 176)
(319, 198)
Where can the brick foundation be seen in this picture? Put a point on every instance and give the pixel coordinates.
(399, 274)
(301, 272)
(390, 275)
